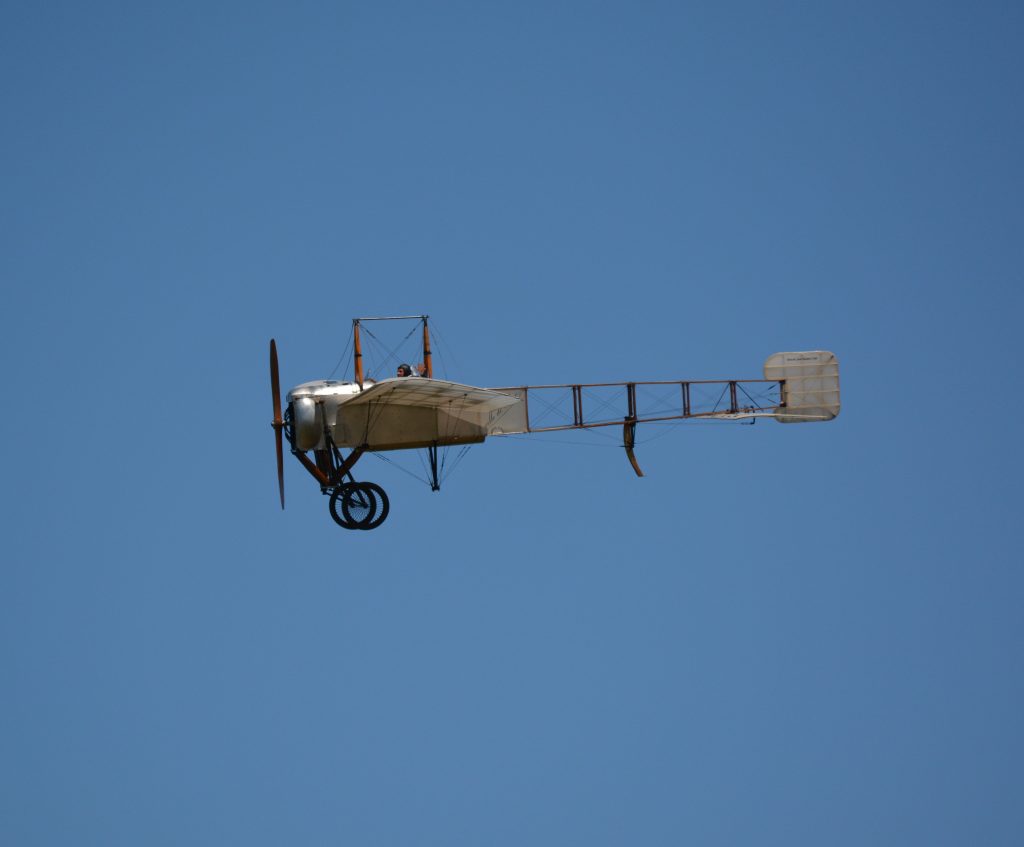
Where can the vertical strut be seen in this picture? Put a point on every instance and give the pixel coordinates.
(429, 369)
(435, 483)
(325, 462)
(358, 352)
(325, 458)
(631, 401)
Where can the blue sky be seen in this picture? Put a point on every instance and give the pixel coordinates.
(781, 635)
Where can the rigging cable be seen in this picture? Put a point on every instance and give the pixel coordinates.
(445, 355)
(384, 458)
(341, 358)
(392, 353)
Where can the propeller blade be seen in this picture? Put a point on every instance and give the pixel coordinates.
(275, 384)
(280, 464)
(277, 423)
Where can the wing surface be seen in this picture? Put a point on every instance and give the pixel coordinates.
(407, 412)
(431, 394)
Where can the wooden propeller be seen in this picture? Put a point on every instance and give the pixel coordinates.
(278, 422)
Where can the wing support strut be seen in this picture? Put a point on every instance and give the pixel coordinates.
(329, 469)
(334, 475)
(317, 474)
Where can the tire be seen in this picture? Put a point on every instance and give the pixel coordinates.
(340, 496)
(358, 505)
(358, 512)
(382, 504)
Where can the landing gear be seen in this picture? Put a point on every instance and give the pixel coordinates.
(359, 505)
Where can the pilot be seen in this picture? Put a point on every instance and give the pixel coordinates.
(404, 370)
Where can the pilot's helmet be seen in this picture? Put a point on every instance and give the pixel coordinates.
(404, 370)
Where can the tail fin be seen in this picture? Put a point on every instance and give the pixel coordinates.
(810, 385)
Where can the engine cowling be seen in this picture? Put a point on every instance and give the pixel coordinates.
(307, 419)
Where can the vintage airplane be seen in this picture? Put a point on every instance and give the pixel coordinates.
(412, 412)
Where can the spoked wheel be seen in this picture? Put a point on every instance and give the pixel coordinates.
(359, 505)
(349, 519)
(373, 490)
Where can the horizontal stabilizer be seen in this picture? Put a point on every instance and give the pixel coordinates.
(810, 390)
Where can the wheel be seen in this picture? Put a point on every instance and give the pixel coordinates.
(358, 505)
(352, 507)
(363, 509)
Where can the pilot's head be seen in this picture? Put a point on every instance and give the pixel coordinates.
(404, 370)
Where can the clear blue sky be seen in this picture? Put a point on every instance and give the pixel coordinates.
(783, 635)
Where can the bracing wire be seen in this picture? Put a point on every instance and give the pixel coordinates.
(540, 439)
(442, 476)
(383, 360)
(458, 458)
(444, 350)
(423, 465)
(395, 464)
(344, 353)
(615, 442)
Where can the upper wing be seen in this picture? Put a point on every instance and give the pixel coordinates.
(407, 412)
(433, 394)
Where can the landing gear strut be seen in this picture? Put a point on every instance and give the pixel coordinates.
(354, 505)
